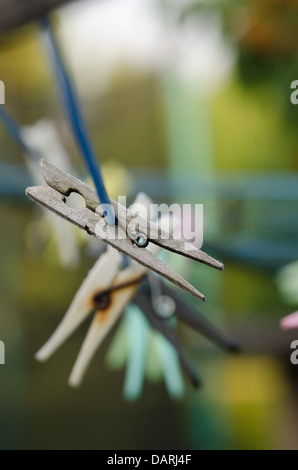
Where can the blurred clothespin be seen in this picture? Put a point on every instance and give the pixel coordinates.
(161, 310)
(43, 141)
(105, 292)
(145, 353)
(290, 322)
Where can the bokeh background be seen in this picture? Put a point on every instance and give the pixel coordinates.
(188, 101)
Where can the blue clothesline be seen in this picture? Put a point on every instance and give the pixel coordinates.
(75, 116)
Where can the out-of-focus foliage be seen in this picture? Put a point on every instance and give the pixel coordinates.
(266, 36)
(259, 123)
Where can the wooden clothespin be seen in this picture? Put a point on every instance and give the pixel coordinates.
(59, 185)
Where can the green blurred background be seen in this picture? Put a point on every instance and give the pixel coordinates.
(188, 102)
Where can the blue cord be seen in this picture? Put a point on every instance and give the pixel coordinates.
(15, 131)
(76, 119)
